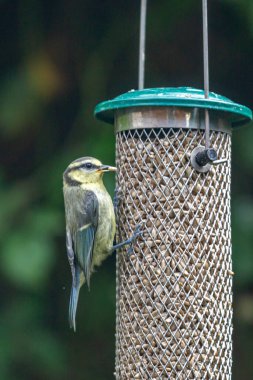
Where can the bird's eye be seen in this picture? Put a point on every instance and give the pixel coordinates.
(88, 165)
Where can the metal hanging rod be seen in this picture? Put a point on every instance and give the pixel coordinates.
(205, 48)
(206, 70)
(203, 157)
(141, 77)
(142, 44)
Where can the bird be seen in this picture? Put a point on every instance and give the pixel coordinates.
(90, 223)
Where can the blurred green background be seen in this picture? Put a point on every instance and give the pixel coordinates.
(58, 60)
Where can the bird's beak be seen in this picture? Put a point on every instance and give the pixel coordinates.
(106, 168)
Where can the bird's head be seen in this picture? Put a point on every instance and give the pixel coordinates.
(85, 170)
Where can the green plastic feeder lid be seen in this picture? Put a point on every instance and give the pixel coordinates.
(173, 96)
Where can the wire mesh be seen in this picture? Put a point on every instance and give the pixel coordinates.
(174, 292)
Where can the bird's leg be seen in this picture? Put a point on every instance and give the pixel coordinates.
(130, 241)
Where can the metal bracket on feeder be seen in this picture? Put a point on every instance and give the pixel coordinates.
(202, 159)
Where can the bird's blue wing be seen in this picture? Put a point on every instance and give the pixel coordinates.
(84, 237)
(84, 242)
(80, 243)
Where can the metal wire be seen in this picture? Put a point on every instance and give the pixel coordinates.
(142, 44)
(205, 48)
(206, 69)
(174, 296)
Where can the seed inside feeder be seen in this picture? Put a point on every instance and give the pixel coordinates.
(174, 292)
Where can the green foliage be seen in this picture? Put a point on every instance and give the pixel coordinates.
(28, 253)
(58, 60)
(243, 240)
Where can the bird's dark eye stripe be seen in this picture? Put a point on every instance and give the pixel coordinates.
(88, 165)
(82, 166)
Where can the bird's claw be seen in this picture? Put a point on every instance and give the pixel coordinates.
(130, 250)
(137, 232)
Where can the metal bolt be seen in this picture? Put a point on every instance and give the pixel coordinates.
(206, 156)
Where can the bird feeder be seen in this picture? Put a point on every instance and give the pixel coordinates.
(174, 291)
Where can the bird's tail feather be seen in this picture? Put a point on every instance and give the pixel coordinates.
(73, 305)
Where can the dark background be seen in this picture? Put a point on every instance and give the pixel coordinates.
(58, 60)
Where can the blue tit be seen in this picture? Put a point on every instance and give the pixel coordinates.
(90, 223)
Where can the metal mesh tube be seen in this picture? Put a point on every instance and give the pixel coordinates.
(174, 292)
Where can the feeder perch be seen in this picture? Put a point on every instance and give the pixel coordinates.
(174, 292)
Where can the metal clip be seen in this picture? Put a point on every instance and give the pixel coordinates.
(202, 159)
